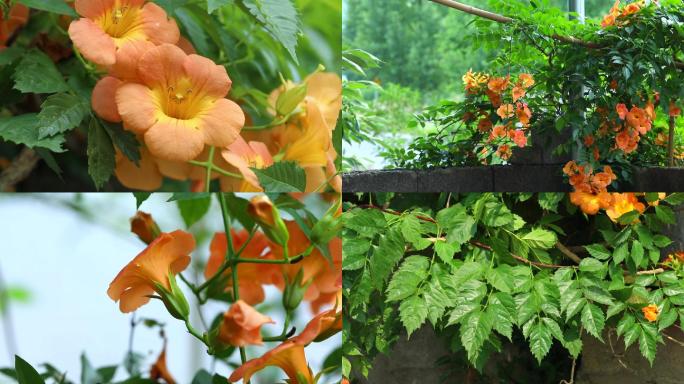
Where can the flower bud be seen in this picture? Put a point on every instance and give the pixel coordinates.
(262, 210)
(328, 227)
(143, 225)
(175, 300)
(290, 99)
(294, 291)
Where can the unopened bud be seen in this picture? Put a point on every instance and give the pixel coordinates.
(290, 99)
(143, 225)
(294, 291)
(262, 210)
(175, 300)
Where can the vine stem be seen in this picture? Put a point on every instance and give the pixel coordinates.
(210, 167)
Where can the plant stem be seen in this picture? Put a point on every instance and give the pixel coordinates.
(272, 124)
(210, 168)
(194, 332)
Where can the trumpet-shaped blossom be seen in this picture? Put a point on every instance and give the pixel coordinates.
(651, 312)
(623, 203)
(160, 370)
(108, 25)
(288, 356)
(148, 272)
(244, 156)
(179, 106)
(241, 325)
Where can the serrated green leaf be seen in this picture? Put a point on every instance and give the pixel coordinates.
(501, 278)
(460, 311)
(540, 238)
(101, 160)
(620, 253)
(280, 19)
(365, 222)
(284, 176)
(413, 312)
(598, 251)
(629, 217)
(666, 319)
(388, 253)
(665, 214)
(550, 200)
(590, 265)
(445, 251)
(615, 309)
(354, 253)
(647, 342)
(411, 228)
(631, 334)
(23, 129)
(675, 198)
(60, 113)
(126, 141)
(475, 330)
(593, 320)
(405, 281)
(540, 341)
(461, 228)
(470, 270)
(572, 341)
(213, 5)
(637, 253)
(501, 309)
(36, 73)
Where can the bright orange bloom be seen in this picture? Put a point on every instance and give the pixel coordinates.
(651, 312)
(661, 195)
(602, 180)
(244, 156)
(674, 109)
(650, 110)
(588, 140)
(623, 203)
(518, 92)
(473, 81)
(526, 80)
(179, 107)
(288, 356)
(494, 98)
(608, 21)
(506, 111)
(18, 15)
(621, 111)
(631, 9)
(251, 276)
(241, 325)
(167, 254)
(627, 141)
(499, 84)
(590, 203)
(504, 152)
(321, 327)
(639, 120)
(519, 138)
(661, 139)
(160, 370)
(523, 113)
(497, 132)
(108, 25)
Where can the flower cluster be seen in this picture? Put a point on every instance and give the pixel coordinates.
(239, 266)
(617, 16)
(174, 101)
(502, 117)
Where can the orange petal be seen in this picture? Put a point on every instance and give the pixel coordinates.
(221, 125)
(104, 99)
(178, 170)
(136, 107)
(93, 8)
(145, 177)
(93, 42)
(135, 298)
(174, 139)
(161, 65)
(157, 26)
(207, 77)
(127, 57)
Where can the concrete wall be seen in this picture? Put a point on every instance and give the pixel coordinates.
(509, 178)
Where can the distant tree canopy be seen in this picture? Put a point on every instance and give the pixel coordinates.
(424, 46)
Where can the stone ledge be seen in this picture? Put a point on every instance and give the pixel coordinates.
(509, 178)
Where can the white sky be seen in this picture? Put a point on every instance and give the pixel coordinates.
(68, 261)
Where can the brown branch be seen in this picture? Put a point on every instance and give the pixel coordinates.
(567, 252)
(670, 143)
(521, 259)
(21, 167)
(651, 271)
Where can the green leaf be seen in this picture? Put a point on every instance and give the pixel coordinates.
(661, 241)
(23, 129)
(501, 309)
(620, 253)
(540, 341)
(26, 374)
(550, 200)
(647, 342)
(88, 373)
(540, 238)
(101, 160)
(354, 251)
(593, 320)
(632, 334)
(590, 264)
(501, 278)
(53, 6)
(598, 251)
(405, 281)
(615, 309)
(126, 141)
(411, 228)
(462, 229)
(445, 251)
(285, 176)
(280, 19)
(470, 270)
(213, 5)
(238, 206)
(413, 312)
(140, 198)
(192, 210)
(665, 214)
(637, 253)
(629, 217)
(475, 330)
(36, 73)
(365, 222)
(388, 253)
(436, 296)
(60, 113)
(675, 198)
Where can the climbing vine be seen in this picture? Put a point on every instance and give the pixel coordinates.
(483, 269)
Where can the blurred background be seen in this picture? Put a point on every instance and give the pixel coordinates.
(425, 49)
(58, 254)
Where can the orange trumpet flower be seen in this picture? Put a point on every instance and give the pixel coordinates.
(242, 324)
